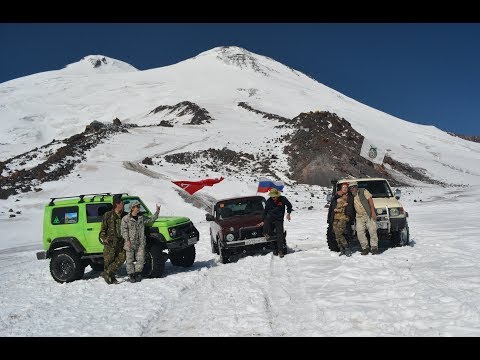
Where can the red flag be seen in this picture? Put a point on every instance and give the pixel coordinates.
(193, 186)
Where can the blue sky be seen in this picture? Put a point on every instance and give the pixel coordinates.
(425, 73)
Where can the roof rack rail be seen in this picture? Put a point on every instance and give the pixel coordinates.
(76, 196)
(117, 194)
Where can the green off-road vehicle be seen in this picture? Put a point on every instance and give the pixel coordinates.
(71, 229)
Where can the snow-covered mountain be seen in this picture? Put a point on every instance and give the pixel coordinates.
(232, 113)
(57, 104)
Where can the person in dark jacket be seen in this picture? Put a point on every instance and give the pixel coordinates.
(349, 212)
(273, 215)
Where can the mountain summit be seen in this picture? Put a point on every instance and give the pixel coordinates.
(99, 64)
(246, 60)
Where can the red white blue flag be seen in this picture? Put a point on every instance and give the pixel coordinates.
(265, 184)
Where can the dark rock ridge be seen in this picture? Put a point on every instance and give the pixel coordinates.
(200, 115)
(59, 162)
(223, 160)
(324, 146)
(263, 113)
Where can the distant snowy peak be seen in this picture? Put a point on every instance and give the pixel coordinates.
(247, 60)
(98, 64)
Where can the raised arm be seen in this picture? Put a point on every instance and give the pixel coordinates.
(150, 219)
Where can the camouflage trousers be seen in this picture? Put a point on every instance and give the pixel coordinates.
(113, 258)
(137, 254)
(339, 228)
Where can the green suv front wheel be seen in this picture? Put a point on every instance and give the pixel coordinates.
(66, 266)
(154, 261)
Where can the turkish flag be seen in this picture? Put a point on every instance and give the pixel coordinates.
(193, 186)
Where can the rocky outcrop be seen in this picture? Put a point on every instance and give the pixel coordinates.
(199, 114)
(61, 157)
(324, 146)
(263, 113)
(147, 161)
(223, 160)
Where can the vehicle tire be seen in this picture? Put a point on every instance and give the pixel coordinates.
(213, 245)
(331, 240)
(66, 266)
(96, 266)
(402, 237)
(154, 261)
(184, 257)
(224, 255)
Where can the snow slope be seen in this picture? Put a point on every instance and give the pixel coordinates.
(427, 289)
(56, 104)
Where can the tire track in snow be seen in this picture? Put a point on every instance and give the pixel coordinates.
(182, 146)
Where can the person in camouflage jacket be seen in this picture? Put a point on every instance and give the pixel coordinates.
(340, 220)
(111, 237)
(133, 231)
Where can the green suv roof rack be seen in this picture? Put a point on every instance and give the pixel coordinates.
(77, 196)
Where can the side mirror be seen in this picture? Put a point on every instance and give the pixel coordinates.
(209, 217)
(398, 193)
(329, 197)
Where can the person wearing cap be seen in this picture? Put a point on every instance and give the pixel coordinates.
(273, 215)
(111, 238)
(365, 217)
(340, 213)
(133, 231)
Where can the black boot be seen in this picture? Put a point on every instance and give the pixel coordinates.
(132, 278)
(374, 250)
(365, 251)
(342, 251)
(138, 276)
(106, 277)
(348, 252)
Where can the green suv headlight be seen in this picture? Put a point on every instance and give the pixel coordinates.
(172, 232)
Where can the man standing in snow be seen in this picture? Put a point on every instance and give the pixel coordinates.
(133, 231)
(110, 235)
(273, 215)
(338, 221)
(366, 218)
